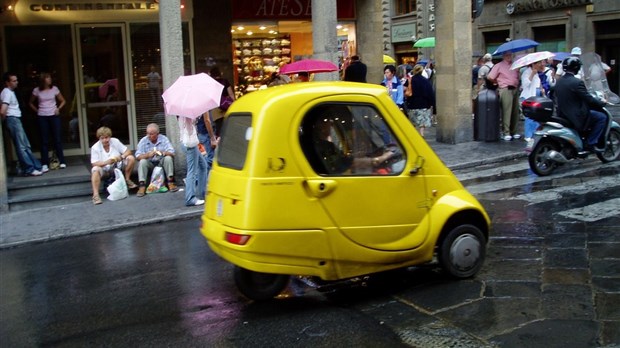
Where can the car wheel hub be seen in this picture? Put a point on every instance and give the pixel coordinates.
(465, 251)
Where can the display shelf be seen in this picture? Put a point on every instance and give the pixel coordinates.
(256, 59)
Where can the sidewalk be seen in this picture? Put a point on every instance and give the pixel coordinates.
(44, 224)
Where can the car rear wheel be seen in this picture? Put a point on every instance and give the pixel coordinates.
(259, 286)
(462, 251)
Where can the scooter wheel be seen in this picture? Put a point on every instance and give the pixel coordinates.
(462, 251)
(259, 286)
(612, 147)
(539, 160)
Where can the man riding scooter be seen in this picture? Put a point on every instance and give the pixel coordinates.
(576, 105)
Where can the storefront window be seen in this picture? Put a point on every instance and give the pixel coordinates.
(147, 74)
(259, 50)
(403, 7)
(551, 38)
(45, 48)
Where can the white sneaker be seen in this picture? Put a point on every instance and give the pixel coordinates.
(45, 168)
(35, 173)
(63, 166)
(507, 138)
(517, 136)
(530, 143)
(199, 202)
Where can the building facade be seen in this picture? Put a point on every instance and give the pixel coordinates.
(105, 56)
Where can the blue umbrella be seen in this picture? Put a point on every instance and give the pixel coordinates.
(561, 56)
(515, 46)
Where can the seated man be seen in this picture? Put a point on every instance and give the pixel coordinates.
(155, 149)
(575, 104)
(105, 155)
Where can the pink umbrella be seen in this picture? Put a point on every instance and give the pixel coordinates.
(103, 89)
(309, 66)
(530, 59)
(193, 95)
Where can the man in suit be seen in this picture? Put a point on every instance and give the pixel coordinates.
(356, 71)
(575, 104)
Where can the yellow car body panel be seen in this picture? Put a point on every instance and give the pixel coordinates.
(265, 185)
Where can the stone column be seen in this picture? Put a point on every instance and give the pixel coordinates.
(4, 173)
(325, 35)
(369, 37)
(171, 41)
(453, 82)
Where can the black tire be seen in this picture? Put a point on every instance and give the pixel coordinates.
(612, 147)
(539, 162)
(259, 286)
(462, 251)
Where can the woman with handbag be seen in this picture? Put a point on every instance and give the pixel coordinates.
(47, 101)
(196, 178)
(228, 97)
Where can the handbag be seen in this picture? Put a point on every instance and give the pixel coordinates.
(54, 162)
(409, 90)
(225, 102)
(118, 189)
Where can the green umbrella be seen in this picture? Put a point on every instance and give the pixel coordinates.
(425, 42)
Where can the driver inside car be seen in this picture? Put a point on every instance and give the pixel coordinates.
(337, 157)
(577, 105)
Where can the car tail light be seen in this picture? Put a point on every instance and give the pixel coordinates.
(239, 239)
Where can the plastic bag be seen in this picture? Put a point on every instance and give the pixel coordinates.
(118, 189)
(157, 181)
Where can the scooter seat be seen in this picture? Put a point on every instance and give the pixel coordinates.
(564, 122)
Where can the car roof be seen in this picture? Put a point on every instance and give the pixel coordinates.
(303, 92)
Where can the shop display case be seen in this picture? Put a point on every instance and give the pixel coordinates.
(255, 59)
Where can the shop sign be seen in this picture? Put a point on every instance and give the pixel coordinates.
(403, 32)
(81, 10)
(520, 6)
(431, 17)
(285, 9)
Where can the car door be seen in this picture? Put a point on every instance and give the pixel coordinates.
(375, 201)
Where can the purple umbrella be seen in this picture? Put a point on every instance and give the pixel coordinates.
(561, 56)
(515, 46)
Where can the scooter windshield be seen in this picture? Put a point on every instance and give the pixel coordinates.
(594, 76)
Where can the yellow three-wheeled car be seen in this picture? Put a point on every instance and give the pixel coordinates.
(331, 180)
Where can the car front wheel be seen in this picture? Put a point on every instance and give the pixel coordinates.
(461, 253)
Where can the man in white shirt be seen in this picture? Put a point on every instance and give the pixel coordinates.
(11, 115)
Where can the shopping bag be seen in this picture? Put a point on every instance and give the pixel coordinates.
(157, 181)
(118, 189)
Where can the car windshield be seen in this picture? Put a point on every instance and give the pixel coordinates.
(236, 135)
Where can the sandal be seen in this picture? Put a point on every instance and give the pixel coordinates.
(97, 200)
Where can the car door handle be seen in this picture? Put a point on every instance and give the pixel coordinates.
(321, 187)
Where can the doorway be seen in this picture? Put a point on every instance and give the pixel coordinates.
(103, 80)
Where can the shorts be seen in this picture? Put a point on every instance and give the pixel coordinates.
(108, 170)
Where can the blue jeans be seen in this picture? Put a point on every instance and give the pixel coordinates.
(196, 179)
(47, 124)
(596, 123)
(205, 140)
(27, 161)
(530, 125)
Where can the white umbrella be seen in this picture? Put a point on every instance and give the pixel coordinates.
(530, 59)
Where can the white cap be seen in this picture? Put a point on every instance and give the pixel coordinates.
(487, 57)
(576, 51)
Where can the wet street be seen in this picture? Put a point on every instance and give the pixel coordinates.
(551, 279)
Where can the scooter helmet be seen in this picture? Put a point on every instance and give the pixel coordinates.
(572, 65)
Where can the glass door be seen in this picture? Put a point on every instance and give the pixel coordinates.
(103, 79)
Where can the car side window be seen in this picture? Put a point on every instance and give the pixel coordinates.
(341, 139)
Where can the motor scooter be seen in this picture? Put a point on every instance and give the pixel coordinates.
(556, 143)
